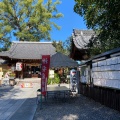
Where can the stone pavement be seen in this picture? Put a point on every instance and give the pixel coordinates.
(18, 103)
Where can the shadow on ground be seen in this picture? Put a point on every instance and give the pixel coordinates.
(77, 108)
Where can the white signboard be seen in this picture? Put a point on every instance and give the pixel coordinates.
(51, 74)
(18, 66)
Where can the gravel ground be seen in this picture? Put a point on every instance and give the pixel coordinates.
(78, 108)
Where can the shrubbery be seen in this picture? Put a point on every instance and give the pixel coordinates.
(55, 80)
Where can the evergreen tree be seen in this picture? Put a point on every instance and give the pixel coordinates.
(27, 20)
(103, 16)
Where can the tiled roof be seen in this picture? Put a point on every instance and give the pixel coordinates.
(115, 52)
(81, 37)
(59, 60)
(29, 50)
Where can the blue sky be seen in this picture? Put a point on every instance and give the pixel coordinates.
(70, 21)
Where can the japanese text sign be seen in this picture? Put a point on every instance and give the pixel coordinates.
(44, 73)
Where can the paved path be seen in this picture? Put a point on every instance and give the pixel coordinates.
(17, 103)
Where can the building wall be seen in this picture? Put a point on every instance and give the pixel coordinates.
(101, 81)
(106, 73)
(85, 74)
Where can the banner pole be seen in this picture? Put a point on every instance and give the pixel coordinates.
(44, 75)
(40, 101)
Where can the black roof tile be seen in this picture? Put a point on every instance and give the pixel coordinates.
(29, 50)
(81, 38)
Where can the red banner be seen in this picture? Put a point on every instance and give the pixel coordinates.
(44, 73)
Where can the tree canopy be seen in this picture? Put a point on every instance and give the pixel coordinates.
(59, 46)
(27, 20)
(63, 47)
(103, 17)
(67, 45)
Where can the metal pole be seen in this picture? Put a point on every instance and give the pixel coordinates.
(40, 101)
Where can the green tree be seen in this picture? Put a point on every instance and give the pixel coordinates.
(103, 17)
(59, 46)
(67, 45)
(4, 45)
(63, 47)
(27, 20)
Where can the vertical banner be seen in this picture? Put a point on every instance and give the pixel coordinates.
(44, 73)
